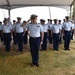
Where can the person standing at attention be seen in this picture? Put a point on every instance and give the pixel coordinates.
(67, 27)
(45, 27)
(35, 30)
(55, 34)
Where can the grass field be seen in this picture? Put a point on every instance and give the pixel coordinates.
(51, 62)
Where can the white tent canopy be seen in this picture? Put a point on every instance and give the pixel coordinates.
(12, 4)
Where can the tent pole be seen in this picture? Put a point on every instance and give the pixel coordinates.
(70, 12)
(9, 13)
(49, 12)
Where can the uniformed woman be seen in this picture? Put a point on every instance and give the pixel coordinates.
(45, 27)
(55, 34)
(7, 30)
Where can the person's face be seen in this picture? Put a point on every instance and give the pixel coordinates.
(6, 21)
(14, 22)
(42, 23)
(67, 19)
(55, 22)
(50, 22)
(19, 20)
(34, 20)
(59, 22)
(64, 20)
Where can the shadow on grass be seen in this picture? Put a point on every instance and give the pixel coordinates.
(7, 54)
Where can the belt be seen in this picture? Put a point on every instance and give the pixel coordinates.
(55, 33)
(19, 33)
(6, 33)
(34, 37)
(66, 30)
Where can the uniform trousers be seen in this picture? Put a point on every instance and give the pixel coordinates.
(50, 37)
(20, 41)
(7, 40)
(44, 45)
(14, 38)
(34, 48)
(25, 38)
(67, 38)
(55, 41)
(72, 34)
(1, 38)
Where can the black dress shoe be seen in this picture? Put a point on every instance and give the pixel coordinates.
(65, 49)
(32, 65)
(57, 49)
(37, 65)
(68, 49)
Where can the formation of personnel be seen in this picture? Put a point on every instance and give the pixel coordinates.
(39, 34)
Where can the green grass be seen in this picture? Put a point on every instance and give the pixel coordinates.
(51, 62)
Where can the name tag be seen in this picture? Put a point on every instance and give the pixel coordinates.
(37, 26)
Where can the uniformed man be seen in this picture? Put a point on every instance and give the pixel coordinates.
(67, 27)
(55, 33)
(72, 32)
(45, 27)
(25, 37)
(9, 22)
(63, 30)
(1, 38)
(6, 30)
(49, 31)
(48, 21)
(35, 30)
(14, 34)
(19, 33)
(60, 39)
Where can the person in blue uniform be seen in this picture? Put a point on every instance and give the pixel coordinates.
(35, 29)
(7, 31)
(1, 37)
(45, 27)
(67, 27)
(64, 20)
(19, 34)
(9, 22)
(13, 32)
(60, 38)
(72, 32)
(48, 21)
(55, 34)
(25, 37)
(49, 32)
